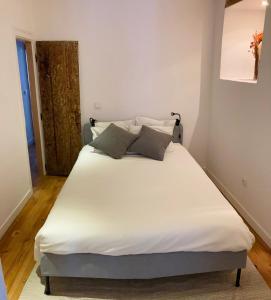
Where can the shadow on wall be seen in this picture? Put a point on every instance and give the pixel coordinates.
(199, 140)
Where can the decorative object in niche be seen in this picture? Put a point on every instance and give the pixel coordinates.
(242, 18)
(256, 47)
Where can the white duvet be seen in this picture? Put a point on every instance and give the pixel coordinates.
(137, 205)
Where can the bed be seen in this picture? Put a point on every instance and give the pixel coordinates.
(138, 218)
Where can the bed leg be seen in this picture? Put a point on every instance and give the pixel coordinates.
(238, 276)
(47, 290)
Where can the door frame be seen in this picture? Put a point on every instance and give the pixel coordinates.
(35, 107)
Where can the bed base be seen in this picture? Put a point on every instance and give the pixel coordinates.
(142, 266)
(47, 290)
(238, 277)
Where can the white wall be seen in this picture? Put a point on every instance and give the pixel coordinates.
(139, 57)
(240, 130)
(145, 57)
(237, 62)
(15, 180)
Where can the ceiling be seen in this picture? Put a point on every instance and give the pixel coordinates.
(248, 5)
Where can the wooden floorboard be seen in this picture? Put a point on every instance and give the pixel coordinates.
(17, 245)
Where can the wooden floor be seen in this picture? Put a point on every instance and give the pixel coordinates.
(16, 247)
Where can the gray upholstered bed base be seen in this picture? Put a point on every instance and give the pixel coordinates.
(143, 266)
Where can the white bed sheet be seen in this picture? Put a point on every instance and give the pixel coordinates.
(137, 205)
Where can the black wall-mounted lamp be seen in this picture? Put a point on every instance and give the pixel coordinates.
(178, 120)
(92, 122)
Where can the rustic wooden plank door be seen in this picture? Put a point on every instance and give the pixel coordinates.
(60, 103)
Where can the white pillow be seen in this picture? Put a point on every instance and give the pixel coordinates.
(96, 131)
(171, 147)
(122, 124)
(170, 122)
(153, 122)
(101, 126)
(165, 129)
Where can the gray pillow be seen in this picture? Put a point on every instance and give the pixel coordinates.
(114, 141)
(151, 143)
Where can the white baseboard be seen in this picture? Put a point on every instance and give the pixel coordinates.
(241, 209)
(4, 227)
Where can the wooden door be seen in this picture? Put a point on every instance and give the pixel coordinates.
(60, 103)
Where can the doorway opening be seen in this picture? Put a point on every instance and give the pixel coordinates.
(27, 78)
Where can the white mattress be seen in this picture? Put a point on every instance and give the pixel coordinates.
(136, 205)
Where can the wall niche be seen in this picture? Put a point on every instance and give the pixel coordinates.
(243, 35)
